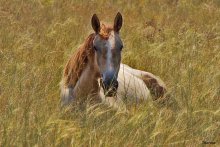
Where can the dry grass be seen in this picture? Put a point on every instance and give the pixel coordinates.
(177, 40)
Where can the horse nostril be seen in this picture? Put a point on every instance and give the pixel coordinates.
(110, 89)
(107, 85)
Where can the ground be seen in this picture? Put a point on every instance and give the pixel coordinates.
(178, 40)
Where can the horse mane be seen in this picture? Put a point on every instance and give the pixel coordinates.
(105, 31)
(78, 61)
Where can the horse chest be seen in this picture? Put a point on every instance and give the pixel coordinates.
(87, 84)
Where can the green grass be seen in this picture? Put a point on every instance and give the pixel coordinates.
(37, 37)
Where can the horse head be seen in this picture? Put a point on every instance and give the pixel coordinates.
(108, 46)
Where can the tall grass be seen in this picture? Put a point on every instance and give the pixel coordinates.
(38, 36)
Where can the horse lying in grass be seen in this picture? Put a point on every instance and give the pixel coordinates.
(95, 72)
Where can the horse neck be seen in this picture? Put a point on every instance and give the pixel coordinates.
(92, 70)
(88, 81)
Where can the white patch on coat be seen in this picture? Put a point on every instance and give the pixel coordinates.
(110, 47)
(130, 85)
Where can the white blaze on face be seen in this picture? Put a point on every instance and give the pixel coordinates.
(110, 47)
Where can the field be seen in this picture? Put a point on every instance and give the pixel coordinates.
(178, 40)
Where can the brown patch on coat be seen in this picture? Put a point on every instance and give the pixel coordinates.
(155, 88)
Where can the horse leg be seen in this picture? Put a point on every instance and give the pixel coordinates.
(114, 102)
(153, 83)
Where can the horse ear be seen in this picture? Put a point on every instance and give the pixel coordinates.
(118, 22)
(95, 23)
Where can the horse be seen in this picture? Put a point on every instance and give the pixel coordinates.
(95, 72)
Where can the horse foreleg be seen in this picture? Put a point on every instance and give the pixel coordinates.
(115, 103)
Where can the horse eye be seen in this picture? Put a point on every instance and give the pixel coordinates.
(121, 47)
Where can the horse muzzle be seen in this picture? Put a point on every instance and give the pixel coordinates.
(110, 88)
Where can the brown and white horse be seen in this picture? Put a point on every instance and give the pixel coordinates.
(95, 71)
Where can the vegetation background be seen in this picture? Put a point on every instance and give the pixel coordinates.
(178, 40)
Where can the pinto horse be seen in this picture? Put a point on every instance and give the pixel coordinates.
(95, 71)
